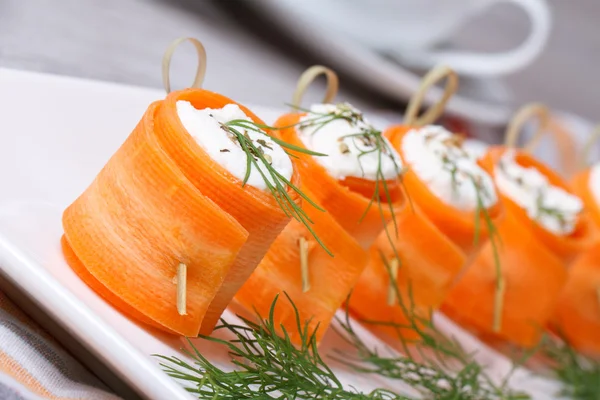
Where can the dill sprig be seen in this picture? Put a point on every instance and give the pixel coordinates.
(267, 365)
(441, 368)
(580, 375)
(454, 143)
(367, 140)
(553, 212)
(275, 181)
(494, 240)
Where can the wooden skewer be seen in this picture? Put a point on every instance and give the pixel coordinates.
(181, 288)
(166, 62)
(391, 298)
(598, 294)
(435, 75)
(587, 147)
(515, 127)
(499, 304)
(308, 77)
(303, 244)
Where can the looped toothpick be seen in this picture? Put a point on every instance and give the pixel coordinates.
(304, 272)
(181, 288)
(391, 297)
(515, 127)
(308, 77)
(587, 147)
(435, 75)
(166, 62)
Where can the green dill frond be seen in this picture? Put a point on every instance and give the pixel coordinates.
(276, 183)
(580, 375)
(267, 365)
(440, 369)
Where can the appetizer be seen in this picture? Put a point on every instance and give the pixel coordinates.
(183, 211)
(577, 314)
(544, 228)
(315, 281)
(356, 181)
(431, 237)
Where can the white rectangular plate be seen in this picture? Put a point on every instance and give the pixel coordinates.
(57, 134)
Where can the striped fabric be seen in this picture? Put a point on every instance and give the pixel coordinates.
(34, 366)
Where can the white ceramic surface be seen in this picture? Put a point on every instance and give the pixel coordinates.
(57, 133)
(409, 30)
(377, 71)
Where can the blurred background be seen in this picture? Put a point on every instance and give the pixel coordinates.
(508, 53)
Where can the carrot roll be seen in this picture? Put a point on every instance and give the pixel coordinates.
(316, 282)
(577, 315)
(545, 227)
(452, 189)
(586, 184)
(428, 265)
(252, 205)
(358, 181)
(179, 193)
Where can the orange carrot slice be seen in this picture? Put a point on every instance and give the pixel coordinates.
(577, 315)
(533, 279)
(565, 247)
(429, 265)
(346, 200)
(581, 186)
(330, 278)
(102, 290)
(161, 201)
(458, 225)
(533, 262)
(256, 210)
(139, 219)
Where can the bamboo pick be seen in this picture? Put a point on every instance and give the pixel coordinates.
(308, 77)
(303, 244)
(584, 160)
(391, 297)
(499, 303)
(166, 62)
(515, 127)
(435, 75)
(181, 288)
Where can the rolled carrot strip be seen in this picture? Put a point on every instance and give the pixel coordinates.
(458, 225)
(102, 290)
(329, 279)
(533, 261)
(577, 314)
(347, 200)
(256, 210)
(161, 201)
(565, 247)
(429, 264)
(139, 219)
(580, 183)
(533, 279)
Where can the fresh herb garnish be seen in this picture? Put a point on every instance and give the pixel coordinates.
(275, 182)
(268, 365)
(367, 140)
(449, 160)
(580, 375)
(552, 212)
(440, 369)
